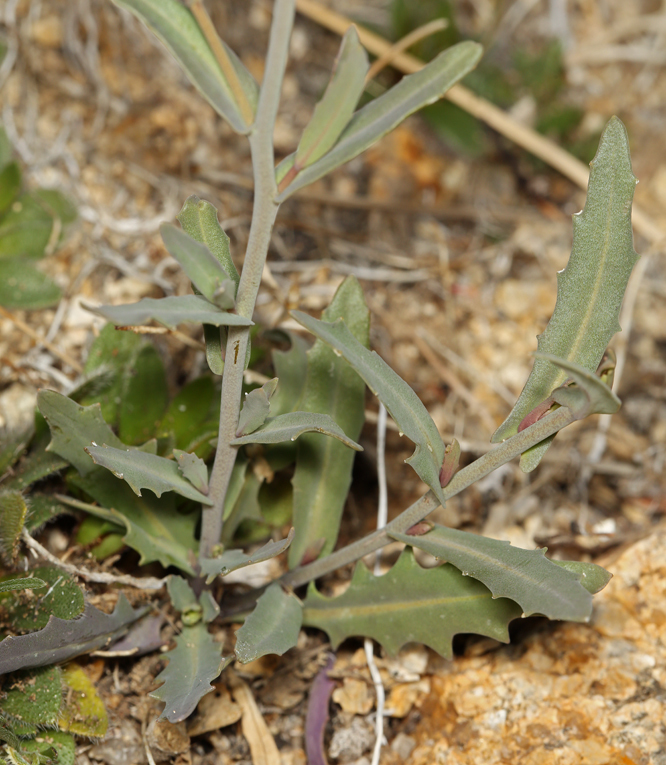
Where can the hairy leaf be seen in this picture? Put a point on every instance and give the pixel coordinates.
(155, 528)
(380, 116)
(199, 220)
(33, 697)
(193, 665)
(337, 105)
(73, 428)
(170, 311)
(145, 471)
(193, 469)
(410, 604)
(24, 286)
(25, 583)
(288, 427)
(256, 408)
(83, 711)
(526, 576)
(230, 560)
(203, 269)
(399, 399)
(53, 746)
(272, 627)
(591, 287)
(59, 596)
(323, 465)
(63, 639)
(176, 27)
(13, 511)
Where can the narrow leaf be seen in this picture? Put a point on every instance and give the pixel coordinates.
(381, 115)
(176, 27)
(595, 396)
(410, 604)
(193, 665)
(272, 627)
(26, 583)
(199, 219)
(288, 427)
(63, 639)
(231, 560)
(401, 402)
(170, 311)
(526, 576)
(203, 269)
(324, 465)
(145, 471)
(13, 511)
(337, 105)
(193, 469)
(591, 287)
(256, 407)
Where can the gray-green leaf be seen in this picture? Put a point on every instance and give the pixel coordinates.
(589, 395)
(203, 269)
(337, 105)
(591, 287)
(526, 576)
(383, 114)
(193, 664)
(176, 27)
(230, 560)
(145, 471)
(399, 399)
(256, 408)
(170, 311)
(193, 469)
(272, 627)
(288, 427)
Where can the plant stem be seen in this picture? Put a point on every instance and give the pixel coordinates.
(263, 217)
(490, 461)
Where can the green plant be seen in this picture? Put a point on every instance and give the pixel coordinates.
(309, 417)
(32, 225)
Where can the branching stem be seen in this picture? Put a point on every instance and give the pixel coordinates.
(263, 217)
(490, 461)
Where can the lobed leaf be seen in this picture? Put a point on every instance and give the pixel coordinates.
(145, 471)
(73, 428)
(591, 287)
(156, 529)
(231, 560)
(410, 604)
(63, 639)
(288, 427)
(176, 27)
(193, 469)
(337, 105)
(194, 663)
(272, 627)
(324, 465)
(380, 116)
(401, 402)
(170, 311)
(537, 584)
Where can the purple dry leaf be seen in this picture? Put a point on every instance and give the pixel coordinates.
(142, 637)
(317, 714)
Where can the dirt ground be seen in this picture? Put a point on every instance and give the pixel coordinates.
(458, 257)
